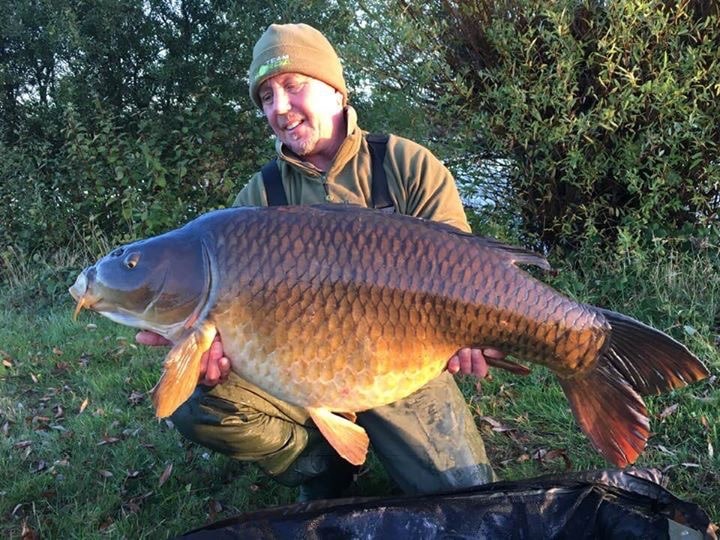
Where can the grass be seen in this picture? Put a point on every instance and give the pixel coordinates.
(85, 458)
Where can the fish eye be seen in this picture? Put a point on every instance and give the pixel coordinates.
(131, 261)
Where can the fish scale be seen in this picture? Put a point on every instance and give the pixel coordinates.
(343, 309)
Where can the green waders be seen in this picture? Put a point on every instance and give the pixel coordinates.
(427, 442)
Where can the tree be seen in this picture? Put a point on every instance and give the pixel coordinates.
(602, 115)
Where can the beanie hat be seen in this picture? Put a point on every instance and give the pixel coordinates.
(294, 48)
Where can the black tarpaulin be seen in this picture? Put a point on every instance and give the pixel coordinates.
(599, 504)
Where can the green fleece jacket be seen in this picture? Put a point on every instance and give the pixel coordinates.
(418, 183)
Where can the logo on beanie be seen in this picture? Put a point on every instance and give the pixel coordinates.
(272, 65)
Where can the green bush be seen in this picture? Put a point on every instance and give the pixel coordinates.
(603, 115)
(122, 177)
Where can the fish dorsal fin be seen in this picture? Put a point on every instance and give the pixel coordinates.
(348, 439)
(181, 370)
(515, 254)
(512, 254)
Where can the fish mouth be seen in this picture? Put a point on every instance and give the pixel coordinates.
(81, 293)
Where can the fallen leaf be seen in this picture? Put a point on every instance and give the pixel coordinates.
(108, 440)
(214, 508)
(104, 473)
(22, 444)
(27, 533)
(34, 378)
(668, 411)
(107, 522)
(84, 404)
(134, 505)
(496, 426)
(136, 397)
(542, 455)
(61, 367)
(15, 511)
(57, 351)
(165, 475)
(665, 450)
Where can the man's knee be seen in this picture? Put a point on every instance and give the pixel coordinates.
(240, 430)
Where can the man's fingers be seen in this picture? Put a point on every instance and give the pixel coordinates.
(453, 365)
(479, 367)
(465, 357)
(151, 338)
(216, 349)
(212, 373)
(489, 352)
(224, 365)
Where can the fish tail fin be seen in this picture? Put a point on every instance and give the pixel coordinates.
(348, 439)
(610, 412)
(607, 402)
(650, 360)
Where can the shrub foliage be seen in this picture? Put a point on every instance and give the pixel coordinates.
(600, 120)
(574, 121)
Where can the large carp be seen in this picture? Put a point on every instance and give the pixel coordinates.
(340, 309)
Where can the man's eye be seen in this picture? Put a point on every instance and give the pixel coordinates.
(294, 87)
(266, 98)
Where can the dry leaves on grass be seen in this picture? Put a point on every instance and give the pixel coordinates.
(136, 397)
(107, 439)
(165, 475)
(496, 425)
(672, 409)
(28, 533)
(214, 509)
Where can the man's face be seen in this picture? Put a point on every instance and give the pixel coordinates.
(304, 113)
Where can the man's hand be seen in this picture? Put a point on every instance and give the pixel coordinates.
(214, 365)
(473, 361)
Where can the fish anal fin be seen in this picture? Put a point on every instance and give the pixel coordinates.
(181, 370)
(348, 439)
(610, 412)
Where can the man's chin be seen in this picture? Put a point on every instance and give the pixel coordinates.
(301, 148)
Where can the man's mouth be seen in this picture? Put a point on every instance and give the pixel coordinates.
(290, 126)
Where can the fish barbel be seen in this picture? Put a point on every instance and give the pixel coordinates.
(340, 309)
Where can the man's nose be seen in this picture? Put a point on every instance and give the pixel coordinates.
(281, 102)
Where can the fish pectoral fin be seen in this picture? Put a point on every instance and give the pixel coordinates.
(348, 439)
(350, 416)
(181, 370)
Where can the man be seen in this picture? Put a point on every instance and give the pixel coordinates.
(428, 441)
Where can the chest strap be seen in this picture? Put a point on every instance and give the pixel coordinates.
(379, 190)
